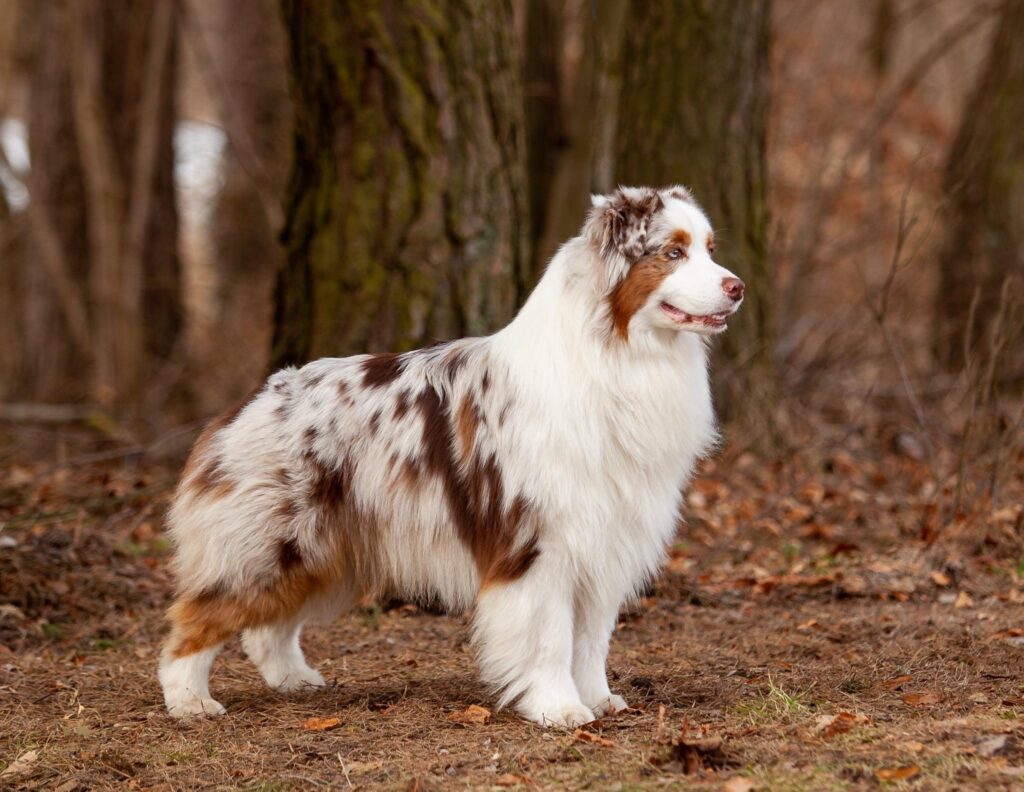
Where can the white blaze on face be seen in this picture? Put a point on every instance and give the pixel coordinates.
(693, 295)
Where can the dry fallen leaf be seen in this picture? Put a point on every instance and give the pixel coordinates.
(940, 578)
(739, 784)
(20, 765)
(590, 737)
(896, 682)
(471, 714)
(921, 699)
(963, 600)
(321, 724)
(840, 723)
(913, 746)
(807, 625)
(509, 779)
(897, 773)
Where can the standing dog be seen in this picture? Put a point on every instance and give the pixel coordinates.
(533, 476)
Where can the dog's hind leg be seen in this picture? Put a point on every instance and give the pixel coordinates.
(275, 650)
(200, 626)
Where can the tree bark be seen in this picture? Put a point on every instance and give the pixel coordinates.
(248, 61)
(984, 242)
(407, 208)
(54, 271)
(693, 110)
(123, 76)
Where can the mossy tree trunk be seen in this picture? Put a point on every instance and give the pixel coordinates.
(406, 215)
(985, 182)
(693, 110)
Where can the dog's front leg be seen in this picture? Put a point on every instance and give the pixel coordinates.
(596, 614)
(524, 634)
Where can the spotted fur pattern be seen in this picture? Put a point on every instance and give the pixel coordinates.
(531, 477)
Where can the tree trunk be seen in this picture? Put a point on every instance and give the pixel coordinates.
(407, 208)
(123, 77)
(248, 56)
(985, 181)
(693, 110)
(55, 267)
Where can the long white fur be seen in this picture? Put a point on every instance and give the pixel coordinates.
(601, 433)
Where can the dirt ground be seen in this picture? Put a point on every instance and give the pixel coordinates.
(812, 630)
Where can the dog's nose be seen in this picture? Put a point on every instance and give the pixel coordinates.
(733, 287)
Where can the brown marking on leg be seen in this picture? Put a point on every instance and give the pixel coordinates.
(213, 616)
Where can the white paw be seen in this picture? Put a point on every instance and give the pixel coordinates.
(566, 716)
(609, 705)
(293, 679)
(194, 706)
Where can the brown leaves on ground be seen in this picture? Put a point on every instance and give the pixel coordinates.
(695, 750)
(830, 725)
(923, 699)
(321, 724)
(20, 765)
(897, 773)
(582, 735)
(473, 714)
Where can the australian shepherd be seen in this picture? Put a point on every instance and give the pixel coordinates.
(533, 477)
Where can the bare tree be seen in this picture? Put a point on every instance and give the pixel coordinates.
(407, 208)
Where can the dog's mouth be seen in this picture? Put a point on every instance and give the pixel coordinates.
(714, 321)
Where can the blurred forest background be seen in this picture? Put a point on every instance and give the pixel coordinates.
(197, 192)
(194, 192)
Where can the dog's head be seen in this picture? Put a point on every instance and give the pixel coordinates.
(656, 248)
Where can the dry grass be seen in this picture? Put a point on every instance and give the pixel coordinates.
(799, 590)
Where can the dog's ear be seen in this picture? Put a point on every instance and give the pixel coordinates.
(618, 223)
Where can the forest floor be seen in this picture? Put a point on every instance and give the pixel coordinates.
(815, 628)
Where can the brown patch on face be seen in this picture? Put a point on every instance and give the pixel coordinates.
(711, 243)
(632, 292)
(475, 495)
(680, 238)
(381, 370)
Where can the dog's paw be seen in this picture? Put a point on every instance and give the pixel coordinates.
(194, 707)
(609, 705)
(297, 679)
(566, 716)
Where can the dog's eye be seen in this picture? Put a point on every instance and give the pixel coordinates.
(675, 253)
(711, 248)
